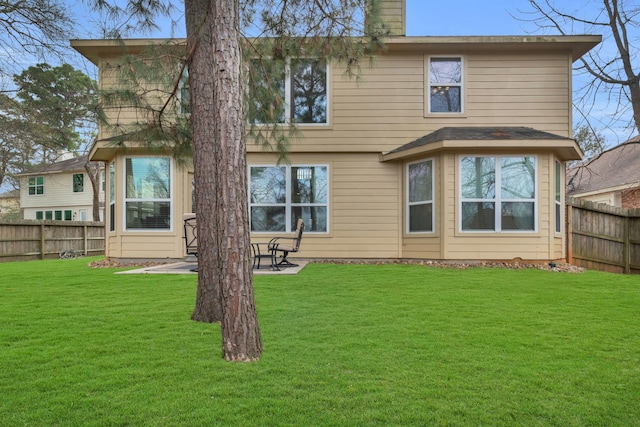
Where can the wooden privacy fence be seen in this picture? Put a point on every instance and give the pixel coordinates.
(602, 237)
(22, 240)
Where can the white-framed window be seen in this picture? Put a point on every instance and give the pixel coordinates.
(288, 91)
(147, 193)
(445, 77)
(420, 190)
(558, 199)
(112, 196)
(78, 183)
(498, 193)
(36, 185)
(280, 195)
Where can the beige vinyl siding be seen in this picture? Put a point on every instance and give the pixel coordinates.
(152, 245)
(392, 14)
(364, 206)
(520, 90)
(385, 108)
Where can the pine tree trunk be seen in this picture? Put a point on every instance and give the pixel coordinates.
(224, 264)
(240, 332)
(208, 307)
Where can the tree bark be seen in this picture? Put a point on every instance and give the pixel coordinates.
(225, 282)
(208, 307)
(93, 170)
(240, 332)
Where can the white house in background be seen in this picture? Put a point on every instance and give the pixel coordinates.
(10, 204)
(612, 178)
(61, 191)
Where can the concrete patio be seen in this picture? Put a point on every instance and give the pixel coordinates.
(187, 267)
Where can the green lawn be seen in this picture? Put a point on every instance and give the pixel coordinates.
(344, 345)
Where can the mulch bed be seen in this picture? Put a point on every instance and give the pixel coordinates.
(561, 267)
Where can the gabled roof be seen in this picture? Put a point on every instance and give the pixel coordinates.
(616, 168)
(70, 165)
(494, 137)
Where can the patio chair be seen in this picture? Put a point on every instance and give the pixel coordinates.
(190, 235)
(286, 245)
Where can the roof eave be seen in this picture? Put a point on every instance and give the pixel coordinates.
(564, 149)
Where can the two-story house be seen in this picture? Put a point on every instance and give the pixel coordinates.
(60, 191)
(449, 148)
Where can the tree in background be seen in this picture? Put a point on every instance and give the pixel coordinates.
(230, 43)
(32, 28)
(590, 141)
(613, 66)
(51, 111)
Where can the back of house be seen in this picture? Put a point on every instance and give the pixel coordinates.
(450, 148)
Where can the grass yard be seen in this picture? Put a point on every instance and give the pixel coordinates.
(344, 345)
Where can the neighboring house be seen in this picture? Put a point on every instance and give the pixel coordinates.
(612, 178)
(448, 148)
(10, 205)
(60, 191)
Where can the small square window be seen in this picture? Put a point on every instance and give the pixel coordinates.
(36, 185)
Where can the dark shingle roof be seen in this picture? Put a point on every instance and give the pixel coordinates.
(75, 164)
(479, 133)
(618, 166)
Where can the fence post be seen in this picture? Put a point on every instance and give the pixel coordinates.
(569, 234)
(627, 246)
(42, 240)
(86, 240)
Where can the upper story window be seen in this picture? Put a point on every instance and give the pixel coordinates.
(420, 210)
(445, 85)
(78, 182)
(147, 193)
(36, 185)
(280, 195)
(291, 91)
(498, 193)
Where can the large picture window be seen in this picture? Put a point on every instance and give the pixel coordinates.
(280, 195)
(498, 193)
(420, 210)
(291, 91)
(445, 85)
(147, 193)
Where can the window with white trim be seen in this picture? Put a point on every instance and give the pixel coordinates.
(558, 203)
(147, 201)
(445, 85)
(280, 195)
(498, 193)
(36, 185)
(289, 91)
(420, 212)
